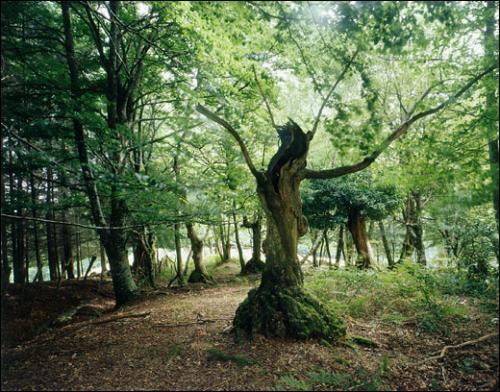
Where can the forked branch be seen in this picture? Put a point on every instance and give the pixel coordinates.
(332, 89)
(400, 131)
(212, 116)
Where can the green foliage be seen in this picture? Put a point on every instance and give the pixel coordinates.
(329, 202)
(291, 383)
(410, 293)
(339, 380)
(217, 355)
(175, 351)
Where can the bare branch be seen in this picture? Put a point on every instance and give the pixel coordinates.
(264, 97)
(212, 116)
(401, 130)
(325, 100)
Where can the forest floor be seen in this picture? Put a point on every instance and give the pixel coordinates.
(180, 340)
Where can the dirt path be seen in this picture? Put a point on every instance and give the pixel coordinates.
(150, 353)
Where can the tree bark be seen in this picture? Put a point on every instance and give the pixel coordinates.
(357, 227)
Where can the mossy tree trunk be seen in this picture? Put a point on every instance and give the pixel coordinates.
(199, 274)
(357, 227)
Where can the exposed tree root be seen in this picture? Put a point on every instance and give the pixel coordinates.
(445, 349)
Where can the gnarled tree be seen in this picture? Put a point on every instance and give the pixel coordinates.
(280, 306)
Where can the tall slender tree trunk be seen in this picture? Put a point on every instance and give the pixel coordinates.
(327, 246)
(68, 258)
(178, 254)
(114, 241)
(340, 247)
(39, 272)
(78, 253)
(357, 227)
(20, 259)
(387, 248)
(50, 228)
(5, 257)
(419, 229)
(238, 243)
(225, 242)
(103, 262)
(413, 241)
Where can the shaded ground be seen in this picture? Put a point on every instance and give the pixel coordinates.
(185, 344)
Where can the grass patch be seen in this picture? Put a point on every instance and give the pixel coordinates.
(217, 355)
(290, 383)
(433, 301)
(175, 351)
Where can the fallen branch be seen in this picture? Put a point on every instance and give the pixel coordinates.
(197, 322)
(48, 335)
(445, 349)
(107, 320)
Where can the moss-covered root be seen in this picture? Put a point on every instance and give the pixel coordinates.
(288, 313)
(253, 267)
(200, 277)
